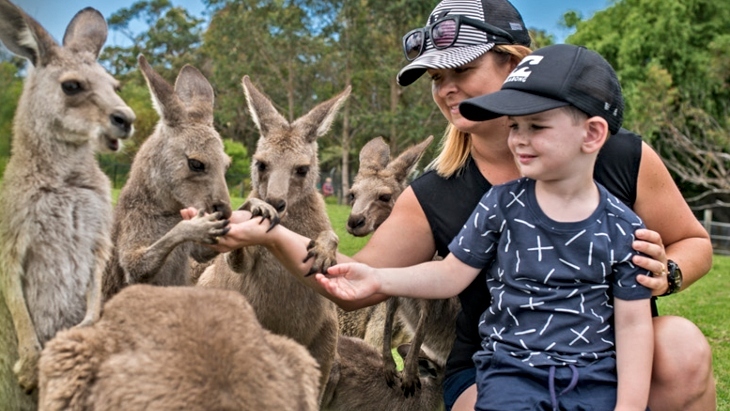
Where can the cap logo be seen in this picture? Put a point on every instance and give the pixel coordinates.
(520, 74)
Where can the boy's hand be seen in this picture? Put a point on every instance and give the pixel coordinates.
(350, 281)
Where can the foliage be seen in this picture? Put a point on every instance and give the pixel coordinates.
(673, 60)
(238, 174)
(9, 95)
(170, 36)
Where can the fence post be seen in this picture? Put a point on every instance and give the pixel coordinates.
(707, 222)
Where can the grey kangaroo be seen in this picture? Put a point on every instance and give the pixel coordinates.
(182, 164)
(176, 348)
(379, 182)
(356, 384)
(284, 173)
(55, 200)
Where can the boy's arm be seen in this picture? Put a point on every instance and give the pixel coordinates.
(634, 352)
(433, 279)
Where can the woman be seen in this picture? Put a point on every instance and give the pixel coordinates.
(477, 44)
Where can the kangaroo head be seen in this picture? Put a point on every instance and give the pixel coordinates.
(183, 161)
(378, 183)
(68, 94)
(285, 166)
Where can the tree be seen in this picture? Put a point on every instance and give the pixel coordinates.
(272, 42)
(171, 34)
(673, 60)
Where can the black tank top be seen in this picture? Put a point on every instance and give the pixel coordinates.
(447, 203)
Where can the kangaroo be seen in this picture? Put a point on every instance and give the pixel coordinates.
(55, 200)
(355, 383)
(182, 164)
(377, 185)
(284, 173)
(175, 348)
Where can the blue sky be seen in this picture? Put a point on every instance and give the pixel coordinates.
(54, 15)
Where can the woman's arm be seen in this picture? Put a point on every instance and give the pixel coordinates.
(673, 232)
(634, 352)
(403, 239)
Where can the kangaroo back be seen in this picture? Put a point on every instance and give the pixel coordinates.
(356, 384)
(200, 350)
(182, 164)
(56, 201)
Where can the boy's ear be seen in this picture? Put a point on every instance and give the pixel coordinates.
(596, 134)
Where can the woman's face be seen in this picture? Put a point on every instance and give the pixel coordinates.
(452, 86)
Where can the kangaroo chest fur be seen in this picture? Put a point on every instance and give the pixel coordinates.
(53, 230)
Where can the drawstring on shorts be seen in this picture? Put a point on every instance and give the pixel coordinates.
(551, 384)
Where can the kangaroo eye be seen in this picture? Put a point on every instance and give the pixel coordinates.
(302, 171)
(261, 166)
(385, 198)
(71, 87)
(351, 198)
(195, 165)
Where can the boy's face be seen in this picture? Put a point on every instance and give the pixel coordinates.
(547, 145)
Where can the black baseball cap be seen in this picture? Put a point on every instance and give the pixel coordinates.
(471, 43)
(551, 77)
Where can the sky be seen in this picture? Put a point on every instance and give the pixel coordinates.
(55, 15)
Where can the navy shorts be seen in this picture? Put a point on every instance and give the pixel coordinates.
(455, 384)
(507, 383)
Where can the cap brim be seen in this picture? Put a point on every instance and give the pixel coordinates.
(448, 58)
(506, 103)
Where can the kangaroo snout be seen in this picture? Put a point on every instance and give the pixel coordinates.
(355, 222)
(278, 203)
(122, 120)
(223, 208)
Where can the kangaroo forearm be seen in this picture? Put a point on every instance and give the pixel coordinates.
(142, 264)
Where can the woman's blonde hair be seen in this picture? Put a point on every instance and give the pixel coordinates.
(455, 146)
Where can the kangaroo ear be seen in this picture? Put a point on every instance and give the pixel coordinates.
(263, 112)
(374, 155)
(23, 36)
(196, 94)
(164, 99)
(86, 32)
(317, 122)
(407, 160)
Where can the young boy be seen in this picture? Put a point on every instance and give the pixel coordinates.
(565, 303)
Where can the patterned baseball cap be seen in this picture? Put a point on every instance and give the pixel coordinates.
(551, 77)
(471, 42)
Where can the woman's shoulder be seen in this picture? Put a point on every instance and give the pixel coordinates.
(617, 166)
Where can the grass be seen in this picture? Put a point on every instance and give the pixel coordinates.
(707, 304)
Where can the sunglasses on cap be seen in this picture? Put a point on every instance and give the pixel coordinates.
(443, 34)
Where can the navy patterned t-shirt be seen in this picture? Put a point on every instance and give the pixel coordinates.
(552, 283)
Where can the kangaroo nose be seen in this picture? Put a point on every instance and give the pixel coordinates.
(355, 221)
(223, 208)
(122, 121)
(278, 204)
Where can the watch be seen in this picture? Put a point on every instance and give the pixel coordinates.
(674, 278)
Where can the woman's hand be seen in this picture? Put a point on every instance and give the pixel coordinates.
(654, 260)
(244, 230)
